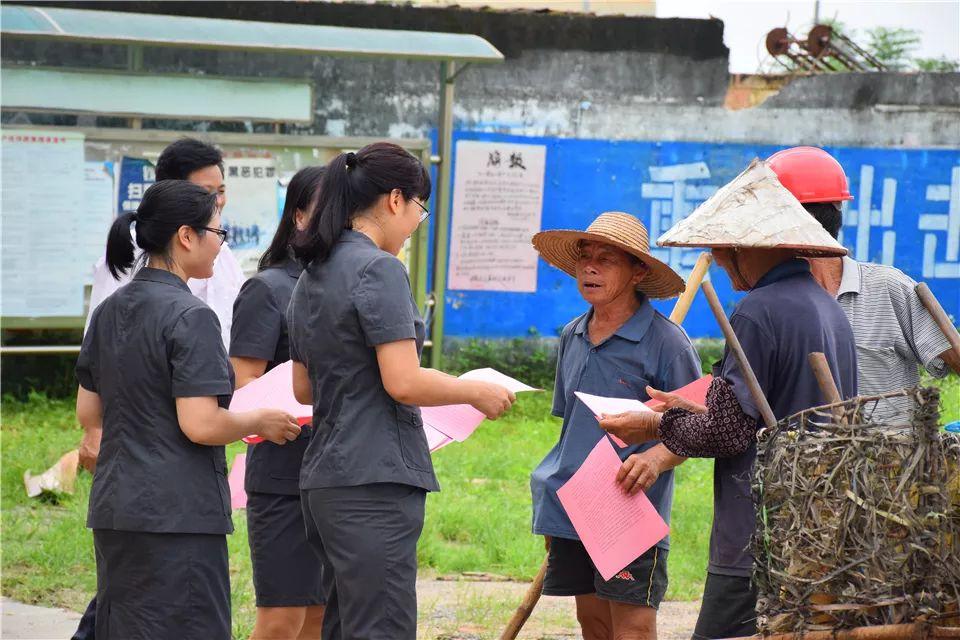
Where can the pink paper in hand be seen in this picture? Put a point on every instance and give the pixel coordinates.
(238, 497)
(615, 528)
(696, 391)
(458, 421)
(272, 390)
(435, 439)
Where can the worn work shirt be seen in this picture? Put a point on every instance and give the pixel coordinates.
(785, 317)
(148, 344)
(260, 331)
(341, 309)
(894, 332)
(648, 349)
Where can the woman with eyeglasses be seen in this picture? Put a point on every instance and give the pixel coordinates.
(287, 569)
(355, 339)
(155, 381)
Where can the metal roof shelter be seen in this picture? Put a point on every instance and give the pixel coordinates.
(453, 52)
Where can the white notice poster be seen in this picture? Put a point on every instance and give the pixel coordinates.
(250, 216)
(43, 222)
(98, 215)
(497, 202)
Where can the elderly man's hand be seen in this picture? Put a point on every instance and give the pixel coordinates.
(633, 427)
(639, 471)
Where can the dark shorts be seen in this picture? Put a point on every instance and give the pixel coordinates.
(162, 586)
(368, 535)
(729, 608)
(570, 572)
(287, 569)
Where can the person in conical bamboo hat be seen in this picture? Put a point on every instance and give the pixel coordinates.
(616, 349)
(758, 233)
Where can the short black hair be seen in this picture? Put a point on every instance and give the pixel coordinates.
(186, 155)
(828, 214)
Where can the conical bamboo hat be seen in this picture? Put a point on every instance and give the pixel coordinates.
(753, 211)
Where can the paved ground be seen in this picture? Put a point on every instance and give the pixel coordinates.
(445, 606)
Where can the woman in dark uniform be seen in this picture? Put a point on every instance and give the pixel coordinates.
(155, 378)
(355, 339)
(287, 570)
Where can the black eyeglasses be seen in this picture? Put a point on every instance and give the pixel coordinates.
(426, 212)
(220, 232)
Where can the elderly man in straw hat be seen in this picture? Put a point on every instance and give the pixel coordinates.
(758, 232)
(617, 348)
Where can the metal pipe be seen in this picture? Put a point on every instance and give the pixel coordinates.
(442, 222)
(36, 349)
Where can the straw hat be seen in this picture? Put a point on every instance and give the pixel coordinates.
(753, 211)
(561, 248)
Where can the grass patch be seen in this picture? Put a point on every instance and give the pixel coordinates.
(480, 521)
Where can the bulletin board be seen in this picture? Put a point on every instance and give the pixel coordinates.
(63, 186)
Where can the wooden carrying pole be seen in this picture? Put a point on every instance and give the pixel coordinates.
(679, 313)
(682, 306)
(939, 316)
(821, 370)
(734, 345)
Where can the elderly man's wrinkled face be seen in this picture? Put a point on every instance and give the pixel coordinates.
(605, 273)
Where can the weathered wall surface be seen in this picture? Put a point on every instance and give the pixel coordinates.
(612, 98)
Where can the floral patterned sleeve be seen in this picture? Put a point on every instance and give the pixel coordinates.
(723, 431)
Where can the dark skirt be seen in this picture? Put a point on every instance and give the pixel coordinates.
(287, 569)
(159, 586)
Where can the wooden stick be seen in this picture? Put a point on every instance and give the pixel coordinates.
(679, 313)
(734, 345)
(682, 306)
(939, 315)
(821, 370)
(530, 599)
(918, 631)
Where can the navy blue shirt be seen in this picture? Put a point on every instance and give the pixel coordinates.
(341, 309)
(648, 349)
(149, 343)
(259, 330)
(785, 317)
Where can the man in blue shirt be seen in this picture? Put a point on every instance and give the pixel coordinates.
(757, 230)
(617, 348)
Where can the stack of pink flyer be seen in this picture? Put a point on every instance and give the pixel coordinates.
(614, 527)
(457, 422)
(272, 390)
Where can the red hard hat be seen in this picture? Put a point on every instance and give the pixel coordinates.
(810, 174)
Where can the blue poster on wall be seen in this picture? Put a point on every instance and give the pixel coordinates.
(905, 213)
(135, 176)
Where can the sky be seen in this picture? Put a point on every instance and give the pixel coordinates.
(746, 23)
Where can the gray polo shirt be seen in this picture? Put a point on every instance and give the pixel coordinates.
(894, 332)
(648, 349)
(148, 344)
(341, 309)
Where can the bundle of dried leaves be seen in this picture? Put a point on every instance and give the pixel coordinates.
(858, 521)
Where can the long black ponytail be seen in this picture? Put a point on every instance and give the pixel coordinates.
(352, 183)
(166, 206)
(301, 193)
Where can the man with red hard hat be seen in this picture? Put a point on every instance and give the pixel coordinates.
(893, 331)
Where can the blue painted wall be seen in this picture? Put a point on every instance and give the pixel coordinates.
(904, 195)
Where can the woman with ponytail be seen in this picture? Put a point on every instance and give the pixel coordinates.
(287, 571)
(355, 340)
(155, 382)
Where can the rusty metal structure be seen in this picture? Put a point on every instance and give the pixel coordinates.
(825, 50)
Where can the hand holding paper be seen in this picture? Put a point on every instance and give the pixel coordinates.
(272, 390)
(615, 528)
(692, 397)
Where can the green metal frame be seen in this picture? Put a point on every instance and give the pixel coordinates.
(455, 52)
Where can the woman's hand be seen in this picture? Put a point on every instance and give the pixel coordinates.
(633, 427)
(490, 399)
(666, 401)
(277, 426)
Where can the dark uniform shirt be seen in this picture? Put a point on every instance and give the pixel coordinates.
(259, 331)
(341, 309)
(647, 349)
(785, 317)
(148, 344)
